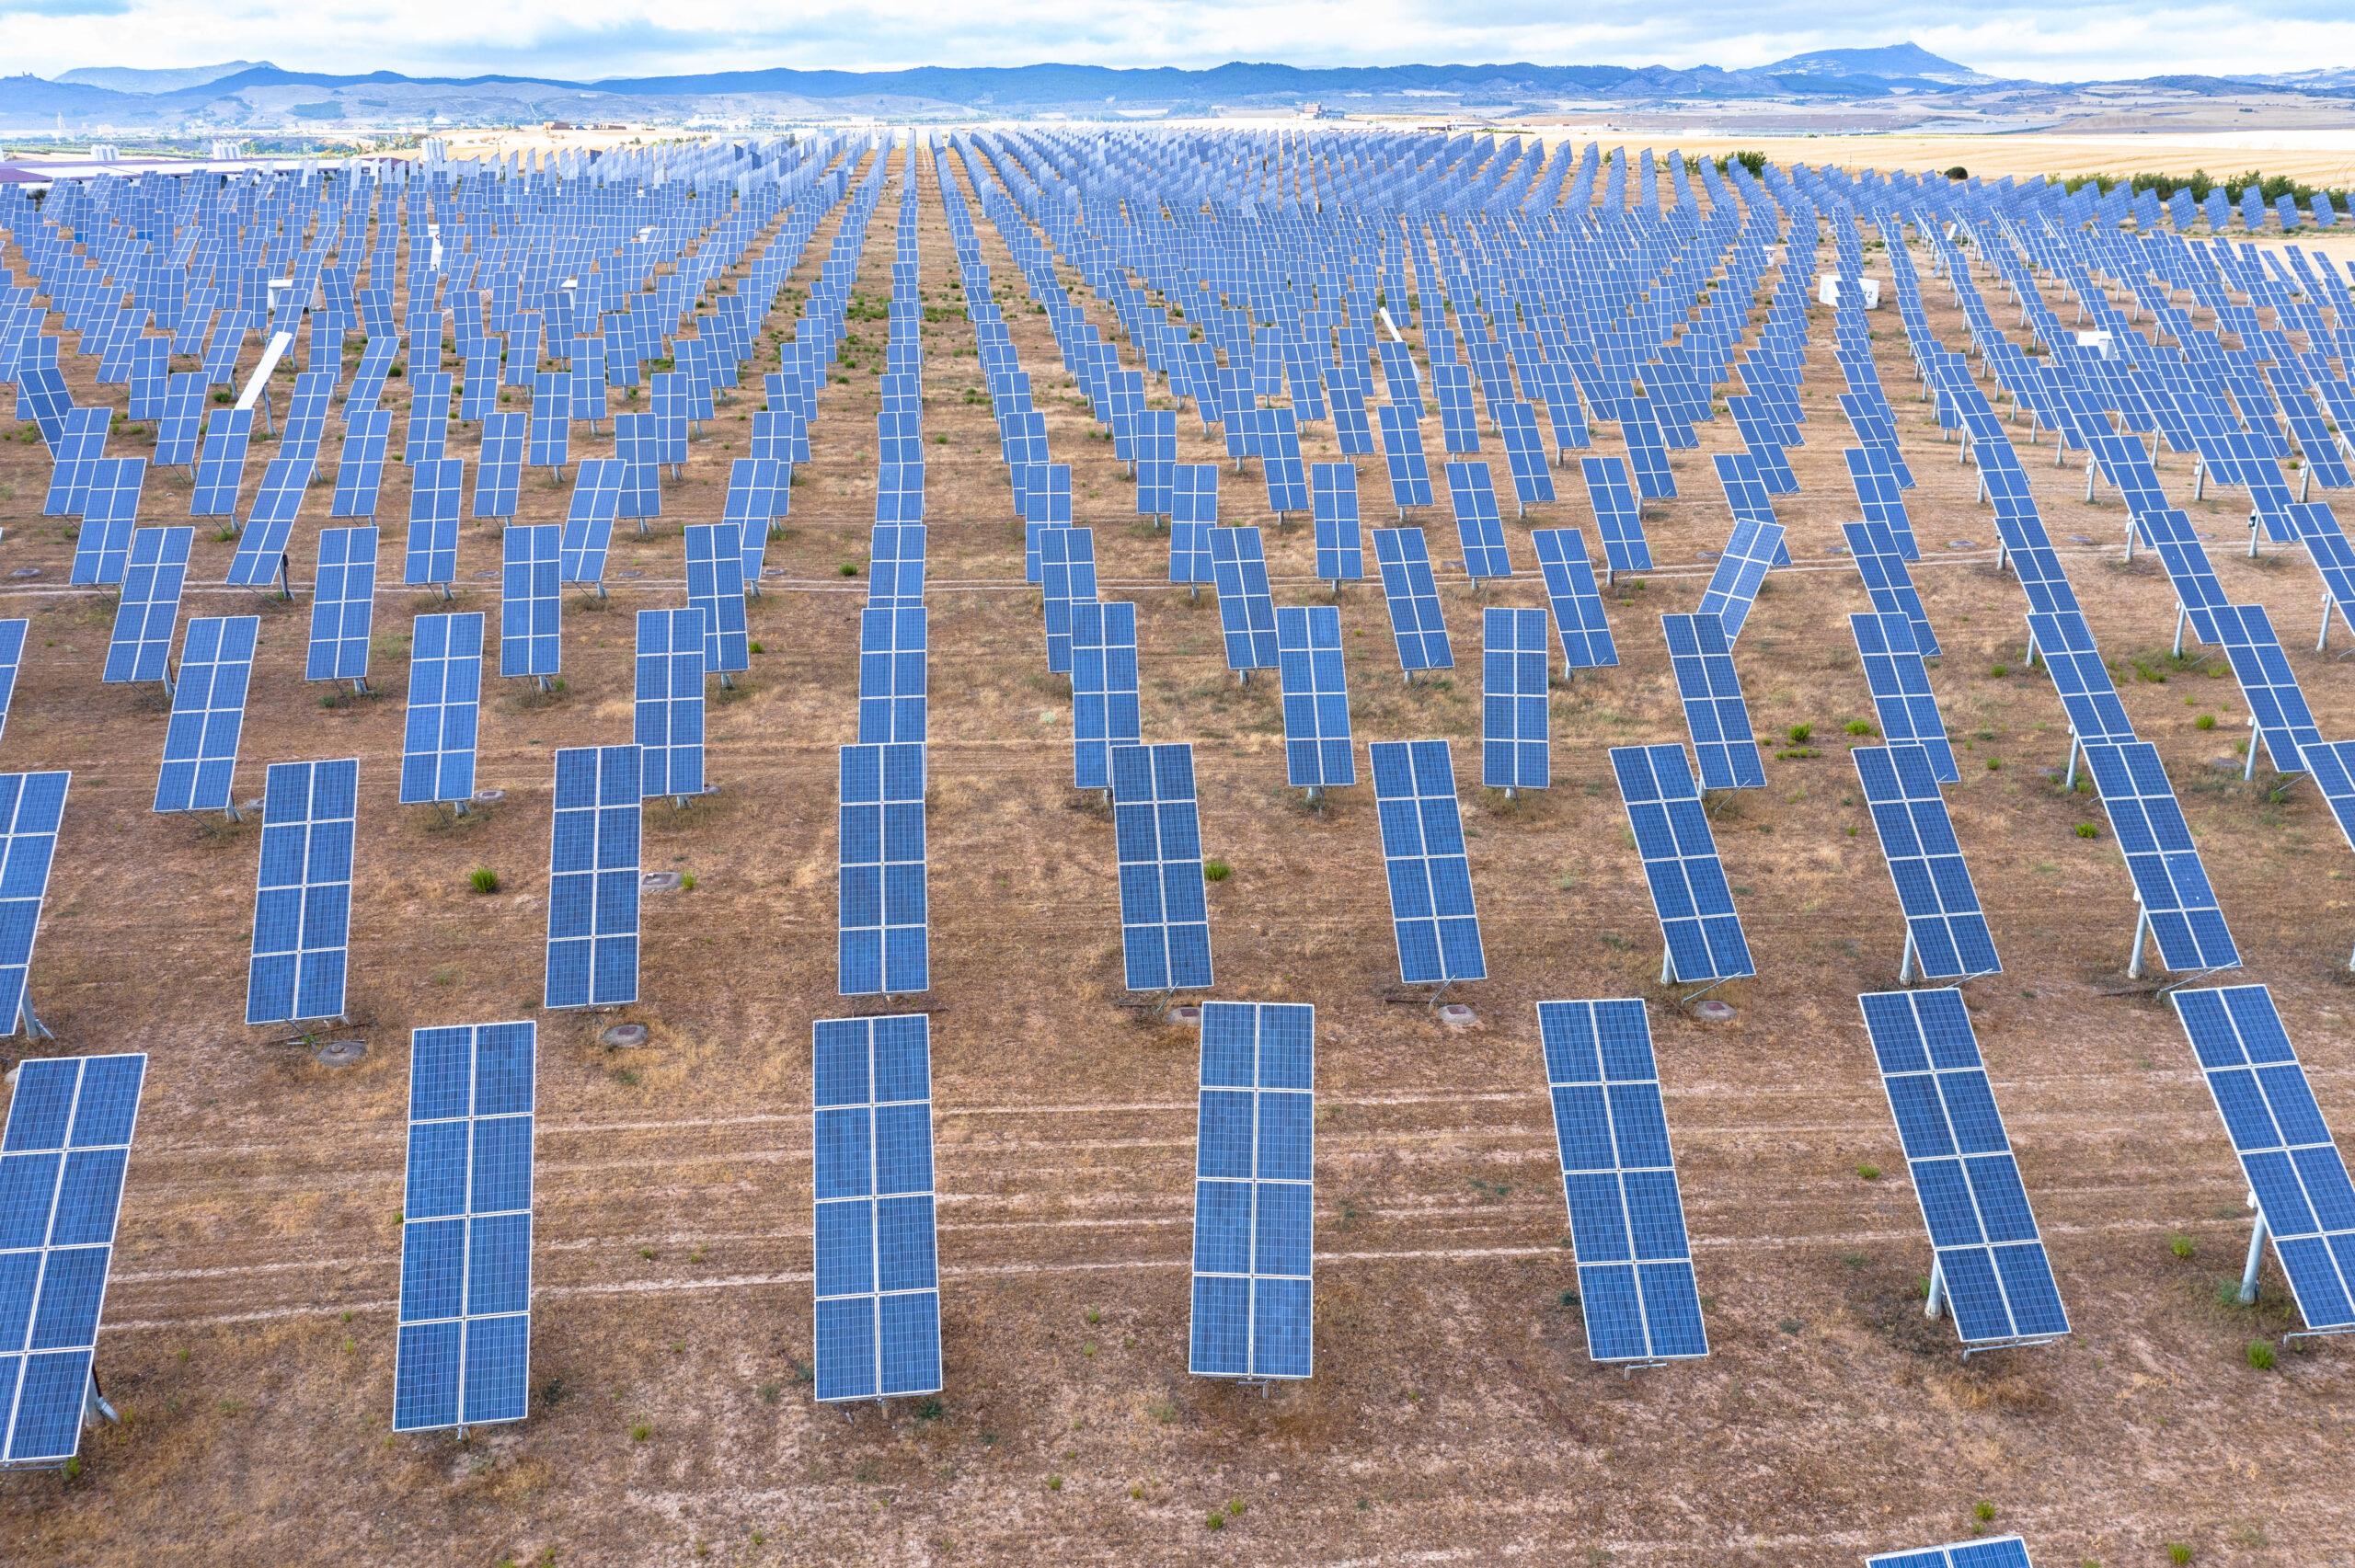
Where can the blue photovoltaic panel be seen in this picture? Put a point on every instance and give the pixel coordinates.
(1515, 749)
(1341, 548)
(1478, 526)
(208, 711)
(716, 586)
(1533, 480)
(1733, 587)
(1618, 516)
(499, 467)
(303, 892)
(1634, 1262)
(1255, 1192)
(1990, 1258)
(62, 1166)
(2287, 1153)
(261, 548)
(1432, 913)
(343, 605)
(1247, 614)
(1193, 500)
(593, 877)
(1881, 497)
(1317, 753)
(2170, 883)
(882, 912)
(1998, 1551)
(1715, 713)
(359, 469)
(1688, 885)
(530, 613)
(1887, 582)
(1900, 683)
(1647, 449)
(876, 1285)
(31, 804)
(1104, 702)
(551, 428)
(1412, 596)
(589, 520)
(892, 675)
(436, 489)
(464, 1351)
(1402, 447)
(2267, 684)
(669, 714)
(445, 708)
(1068, 574)
(75, 460)
(1578, 619)
(150, 607)
(110, 513)
(1165, 917)
(2087, 692)
(895, 566)
(1943, 917)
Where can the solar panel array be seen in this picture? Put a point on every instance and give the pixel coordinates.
(668, 716)
(1516, 750)
(1429, 871)
(1991, 1551)
(1165, 916)
(208, 713)
(31, 808)
(1318, 752)
(1254, 1296)
(593, 877)
(1636, 1283)
(1946, 930)
(1715, 713)
(883, 914)
(445, 708)
(301, 932)
(1412, 596)
(877, 1283)
(1689, 891)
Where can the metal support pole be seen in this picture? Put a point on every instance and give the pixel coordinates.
(2322, 639)
(2248, 769)
(1667, 967)
(2142, 929)
(2070, 782)
(1937, 1303)
(1905, 964)
(2181, 616)
(2255, 1256)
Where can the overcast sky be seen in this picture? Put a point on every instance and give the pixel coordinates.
(589, 38)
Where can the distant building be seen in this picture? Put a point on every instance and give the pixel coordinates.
(222, 151)
(105, 153)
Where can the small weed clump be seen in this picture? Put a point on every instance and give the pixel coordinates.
(1799, 732)
(2087, 831)
(2205, 721)
(2181, 1245)
(1216, 871)
(483, 880)
(1868, 1172)
(640, 1433)
(1858, 727)
(2178, 1553)
(1997, 671)
(2260, 1355)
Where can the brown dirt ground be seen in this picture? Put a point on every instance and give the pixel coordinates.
(1454, 1415)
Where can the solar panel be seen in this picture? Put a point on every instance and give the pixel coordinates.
(1899, 682)
(111, 511)
(1068, 574)
(1104, 702)
(1635, 1262)
(899, 498)
(343, 605)
(436, 491)
(2276, 706)
(1341, 548)
(882, 912)
(208, 711)
(593, 877)
(62, 1163)
(1880, 495)
(445, 708)
(1946, 930)
(155, 570)
(301, 932)
(1432, 912)
(1412, 596)
(1533, 480)
(1317, 753)
(1515, 750)
(2287, 1153)
(551, 415)
(895, 566)
(1647, 449)
(530, 613)
(76, 461)
(1990, 1263)
(31, 806)
(2179, 907)
(465, 1313)
(498, 465)
(1402, 449)
(1165, 917)
(1688, 886)
(589, 520)
(1996, 1551)
(1715, 713)
(359, 470)
(261, 548)
(1246, 612)
(1579, 619)
(1618, 518)
(1254, 1306)
(892, 675)
(1733, 586)
(1887, 582)
(669, 711)
(716, 586)
(1480, 527)
(2066, 645)
(876, 1285)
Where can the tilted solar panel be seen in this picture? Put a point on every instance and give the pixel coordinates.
(1900, 683)
(1104, 699)
(593, 877)
(301, 932)
(1946, 930)
(1165, 916)
(668, 712)
(1516, 750)
(1255, 1192)
(1412, 596)
(1715, 714)
(1318, 750)
(2178, 904)
(148, 611)
(1690, 895)
(882, 911)
(1246, 612)
(208, 713)
(445, 708)
(1431, 910)
(876, 1285)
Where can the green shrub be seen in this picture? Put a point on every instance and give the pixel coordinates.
(1216, 871)
(640, 1433)
(2181, 1245)
(2205, 721)
(2260, 1355)
(2087, 831)
(483, 880)
(1997, 671)
(1858, 727)
(1869, 1173)
(1799, 732)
